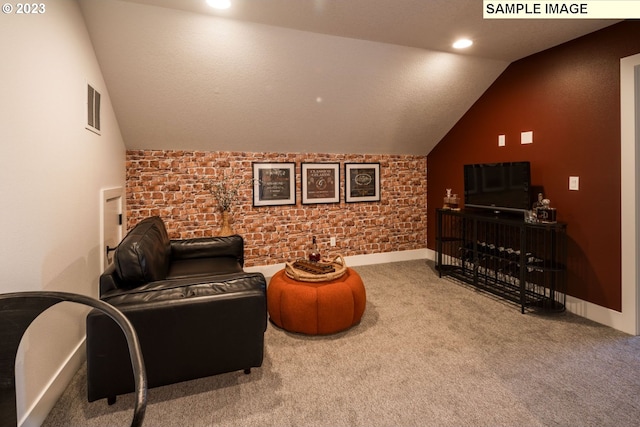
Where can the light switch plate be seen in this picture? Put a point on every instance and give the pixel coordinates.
(574, 183)
(526, 137)
(501, 141)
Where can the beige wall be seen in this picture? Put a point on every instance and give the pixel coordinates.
(171, 184)
(194, 81)
(51, 174)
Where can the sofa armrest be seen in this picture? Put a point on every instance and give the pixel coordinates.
(209, 247)
(202, 331)
(188, 288)
(109, 280)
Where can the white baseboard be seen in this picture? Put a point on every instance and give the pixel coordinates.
(386, 257)
(356, 260)
(37, 413)
(604, 316)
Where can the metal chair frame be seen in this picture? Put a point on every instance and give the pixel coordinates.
(19, 309)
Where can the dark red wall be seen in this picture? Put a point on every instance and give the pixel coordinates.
(569, 96)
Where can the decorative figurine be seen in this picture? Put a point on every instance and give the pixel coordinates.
(451, 201)
(446, 204)
(543, 211)
(538, 203)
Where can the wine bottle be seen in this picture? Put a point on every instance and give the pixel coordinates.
(314, 255)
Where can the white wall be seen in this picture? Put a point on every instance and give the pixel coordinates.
(51, 174)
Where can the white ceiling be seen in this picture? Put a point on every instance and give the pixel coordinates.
(324, 76)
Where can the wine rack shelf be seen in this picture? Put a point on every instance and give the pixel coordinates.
(522, 262)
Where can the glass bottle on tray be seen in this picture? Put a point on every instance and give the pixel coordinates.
(314, 255)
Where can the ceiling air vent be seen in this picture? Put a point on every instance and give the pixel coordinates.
(93, 110)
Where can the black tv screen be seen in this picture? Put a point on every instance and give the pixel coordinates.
(498, 186)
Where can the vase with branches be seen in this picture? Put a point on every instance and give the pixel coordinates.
(226, 194)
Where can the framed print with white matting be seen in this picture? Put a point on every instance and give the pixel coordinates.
(320, 183)
(274, 184)
(361, 182)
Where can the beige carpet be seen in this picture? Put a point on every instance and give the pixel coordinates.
(428, 352)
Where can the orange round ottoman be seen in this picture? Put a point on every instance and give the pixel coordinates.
(316, 307)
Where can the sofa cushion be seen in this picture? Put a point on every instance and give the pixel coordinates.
(207, 247)
(180, 268)
(143, 255)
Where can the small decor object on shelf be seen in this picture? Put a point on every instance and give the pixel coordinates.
(314, 255)
(538, 203)
(530, 217)
(446, 204)
(451, 201)
(542, 210)
(454, 202)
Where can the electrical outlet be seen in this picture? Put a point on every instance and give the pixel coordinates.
(332, 241)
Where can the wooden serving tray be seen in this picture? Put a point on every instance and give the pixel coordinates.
(324, 271)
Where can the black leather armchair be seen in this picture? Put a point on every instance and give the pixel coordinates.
(195, 310)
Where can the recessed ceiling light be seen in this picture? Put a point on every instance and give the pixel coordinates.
(219, 4)
(462, 43)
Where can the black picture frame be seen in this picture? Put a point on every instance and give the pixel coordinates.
(320, 183)
(274, 184)
(361, 182)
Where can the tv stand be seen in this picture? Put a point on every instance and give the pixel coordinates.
(522, 262)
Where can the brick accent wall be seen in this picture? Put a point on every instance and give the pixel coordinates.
(173, 185)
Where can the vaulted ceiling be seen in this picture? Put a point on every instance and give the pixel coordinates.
(311, 76)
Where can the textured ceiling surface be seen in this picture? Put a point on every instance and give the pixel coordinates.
(323, 76)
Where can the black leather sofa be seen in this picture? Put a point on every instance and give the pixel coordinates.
(195, 310)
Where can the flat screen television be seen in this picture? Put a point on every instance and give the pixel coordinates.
(498, 186)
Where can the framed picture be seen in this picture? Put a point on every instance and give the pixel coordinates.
(362, 182)
(274, 184)
(320, 183)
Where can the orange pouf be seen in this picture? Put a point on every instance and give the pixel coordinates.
(316, 308)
